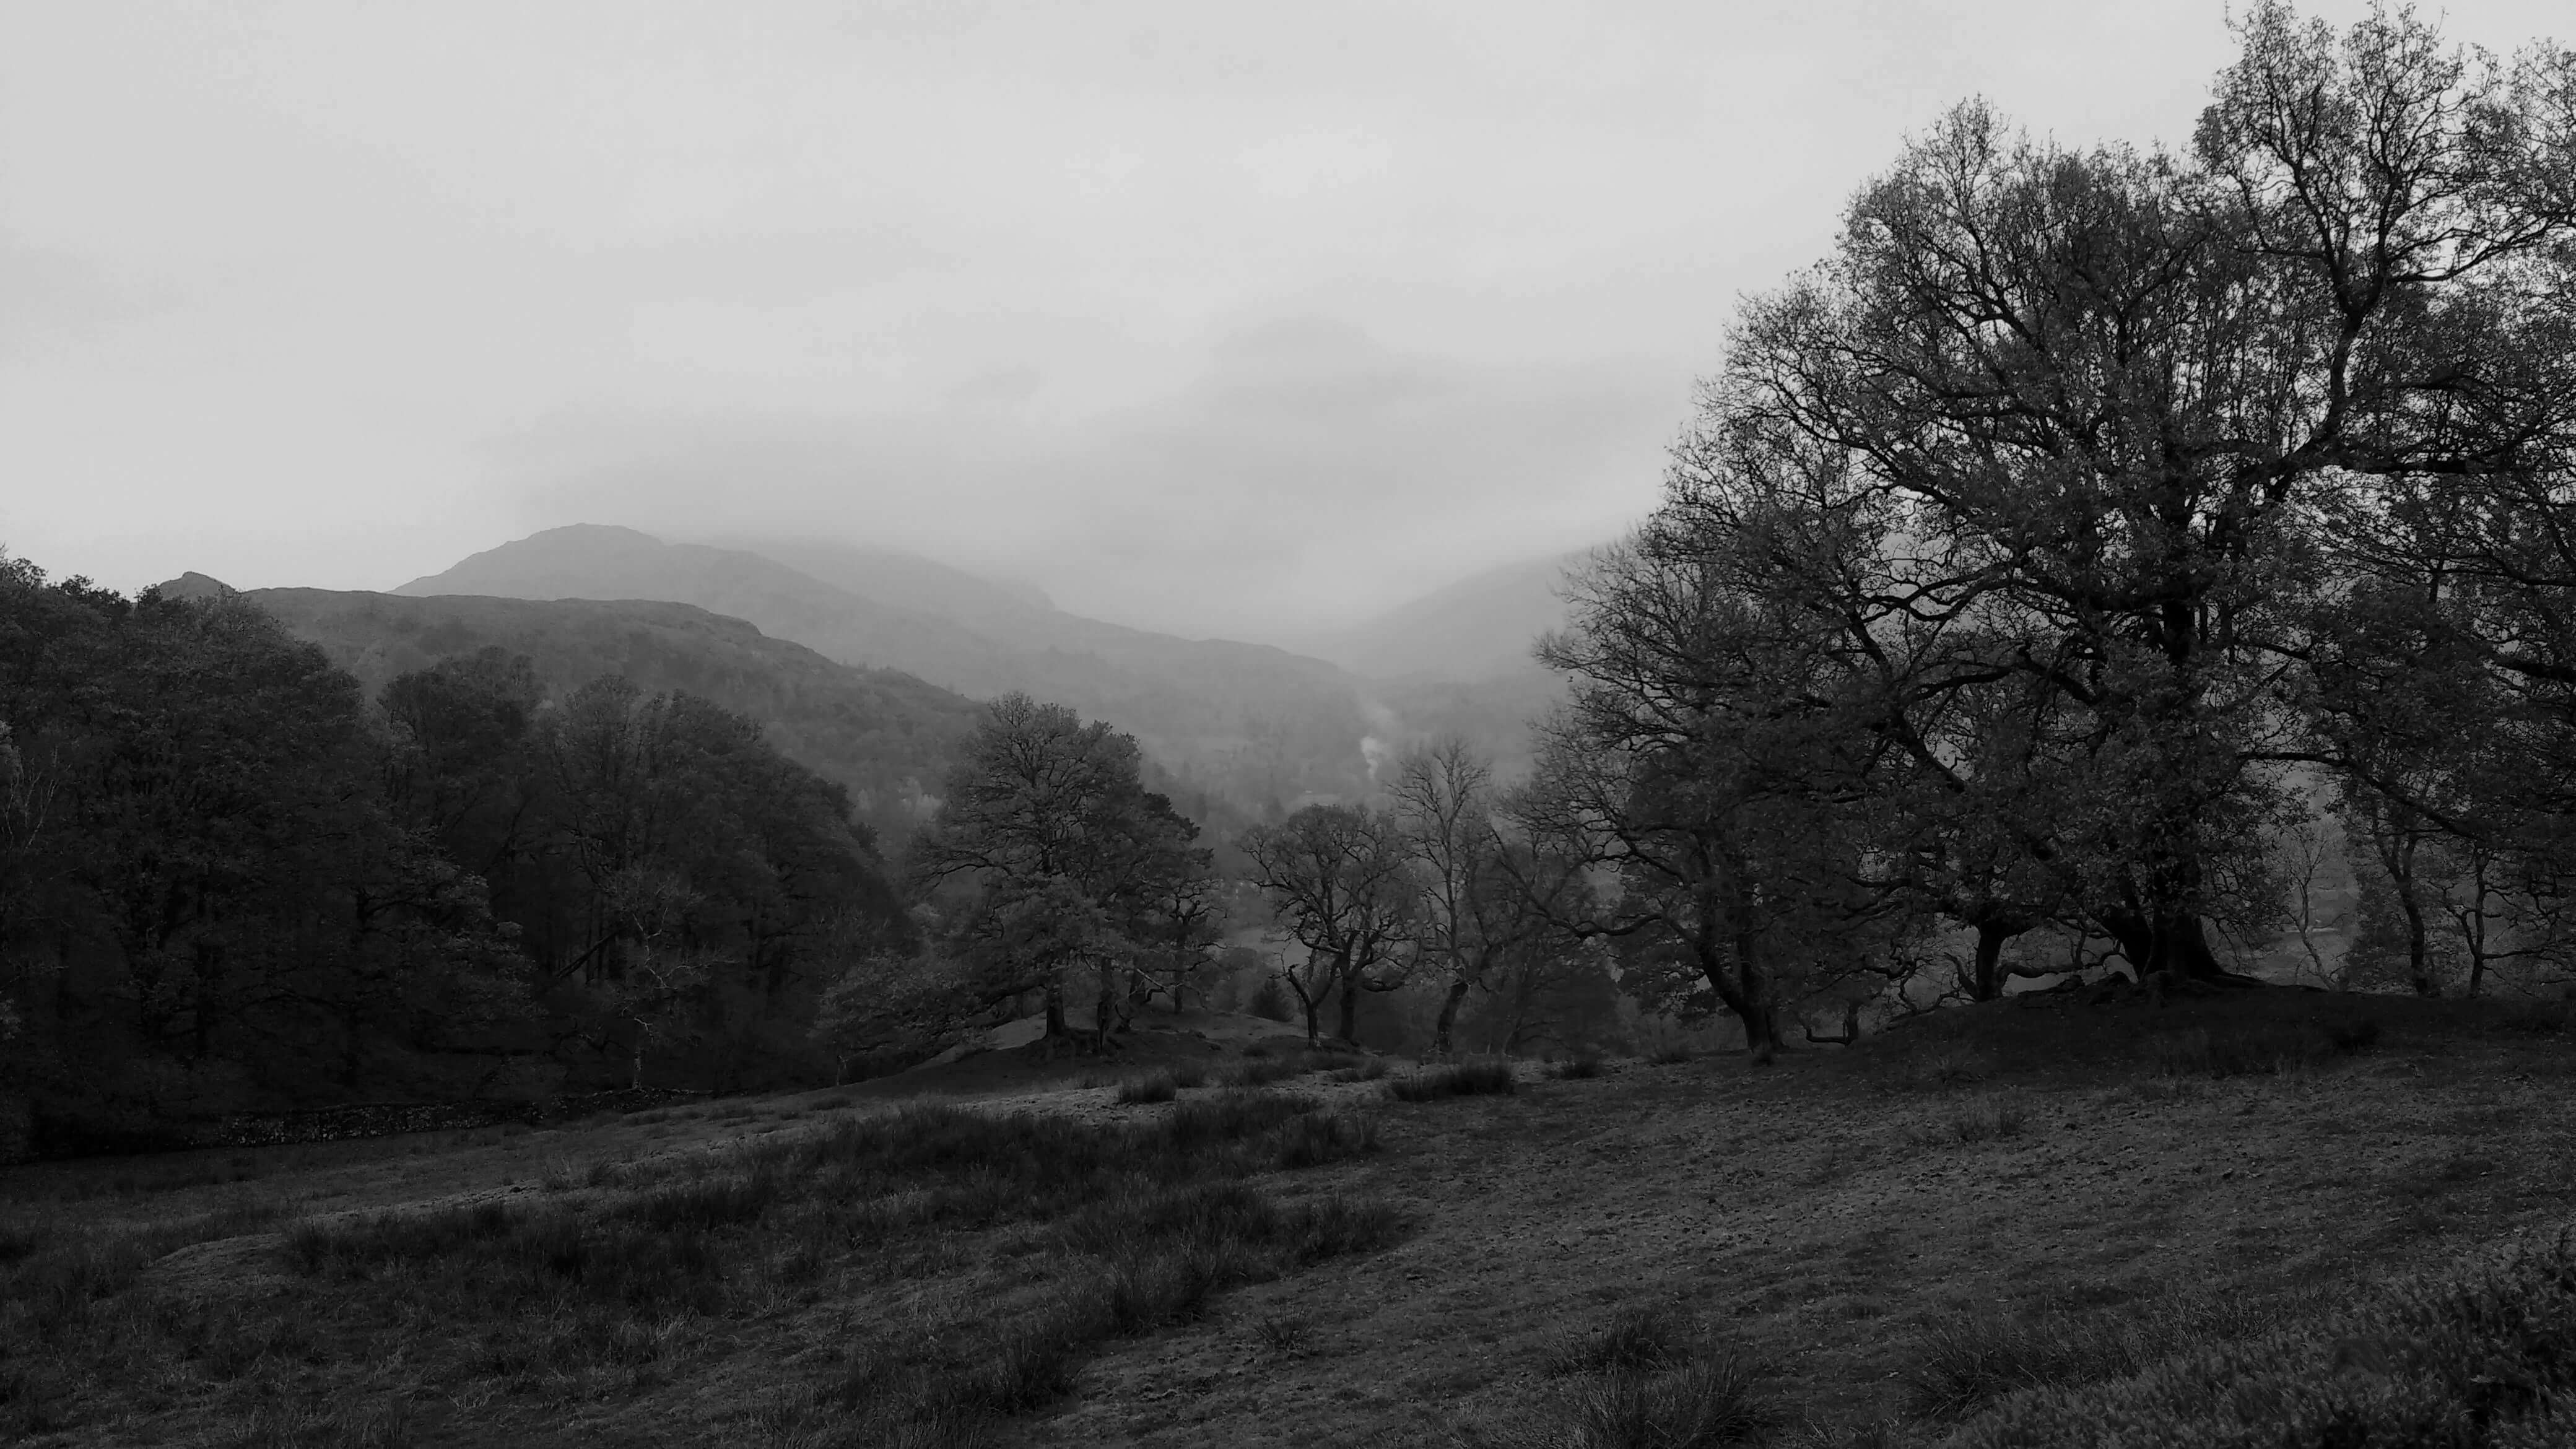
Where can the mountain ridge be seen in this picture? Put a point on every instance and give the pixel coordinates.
(1256, 722)
(885, 736)
(1482, 627)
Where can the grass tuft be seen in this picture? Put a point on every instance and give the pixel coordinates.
(1647, 1339)
(1709, 1402)
(1985, 1120)
(1654, 1380)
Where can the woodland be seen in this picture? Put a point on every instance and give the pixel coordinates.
(2055, 583)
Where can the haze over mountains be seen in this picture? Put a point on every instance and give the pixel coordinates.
(885, 736)
(1481, 627)
(1256, 724)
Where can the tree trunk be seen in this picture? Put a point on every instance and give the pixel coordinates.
(1314, 1006)
(2419, 970)
(1055, 1026)
(2175, 943)
(1448, 1016)
(1761, 1032)
(1989, 980)
(1350, 1007)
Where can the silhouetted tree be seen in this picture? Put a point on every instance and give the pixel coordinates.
(1337, 880)
(1054, 858)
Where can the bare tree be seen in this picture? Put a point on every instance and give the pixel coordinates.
(1441, 798)
(1339, 881)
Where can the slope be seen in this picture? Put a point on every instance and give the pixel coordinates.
(1256, 724)
(884, 735)
(1481, 627)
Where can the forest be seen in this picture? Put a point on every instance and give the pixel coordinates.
(230, 881)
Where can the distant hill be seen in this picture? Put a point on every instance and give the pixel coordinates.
(887, 736)
(903, 580)
(1256, 724)
(1481, 627)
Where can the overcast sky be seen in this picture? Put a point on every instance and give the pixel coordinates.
(1217, 318)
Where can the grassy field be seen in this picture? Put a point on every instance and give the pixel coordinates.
(2016, 1226)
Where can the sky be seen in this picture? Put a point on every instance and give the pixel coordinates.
(1214, 318)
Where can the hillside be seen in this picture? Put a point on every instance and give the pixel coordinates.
(2001, 1226)
(1257, 724)
(884, 735)
(1481, 627)
(903, 580)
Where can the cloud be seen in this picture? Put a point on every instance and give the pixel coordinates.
(1294, 165)
(1306, 475)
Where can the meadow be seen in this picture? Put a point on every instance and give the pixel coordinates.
(2283, 1220)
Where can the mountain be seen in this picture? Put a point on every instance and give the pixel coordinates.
(587, 561)
(886, 736)
(1481, 627)
(194, 585)
(1257, 724)
(902, 580)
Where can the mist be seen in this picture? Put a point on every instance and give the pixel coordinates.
(1249, 324)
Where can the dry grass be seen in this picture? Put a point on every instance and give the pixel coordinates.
(646, 1281)
(1160, 1086)
(2481, 1353)
(1943, 1235)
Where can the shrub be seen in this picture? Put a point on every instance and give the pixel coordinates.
(1981, 1121)
(1313, 1138)
(2256, 1049)
(21, 1240)
(1230, 1116)
(1662, 1040)
(1464, 1079)
(1261, 1071)
(1949, 1066)
(1281, 1334)
(1270, 1002)
(1151, 1087)
(2538, 1018)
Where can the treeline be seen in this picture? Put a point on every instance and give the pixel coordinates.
(1051, 879)
(2039, 560)
(230, 882)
